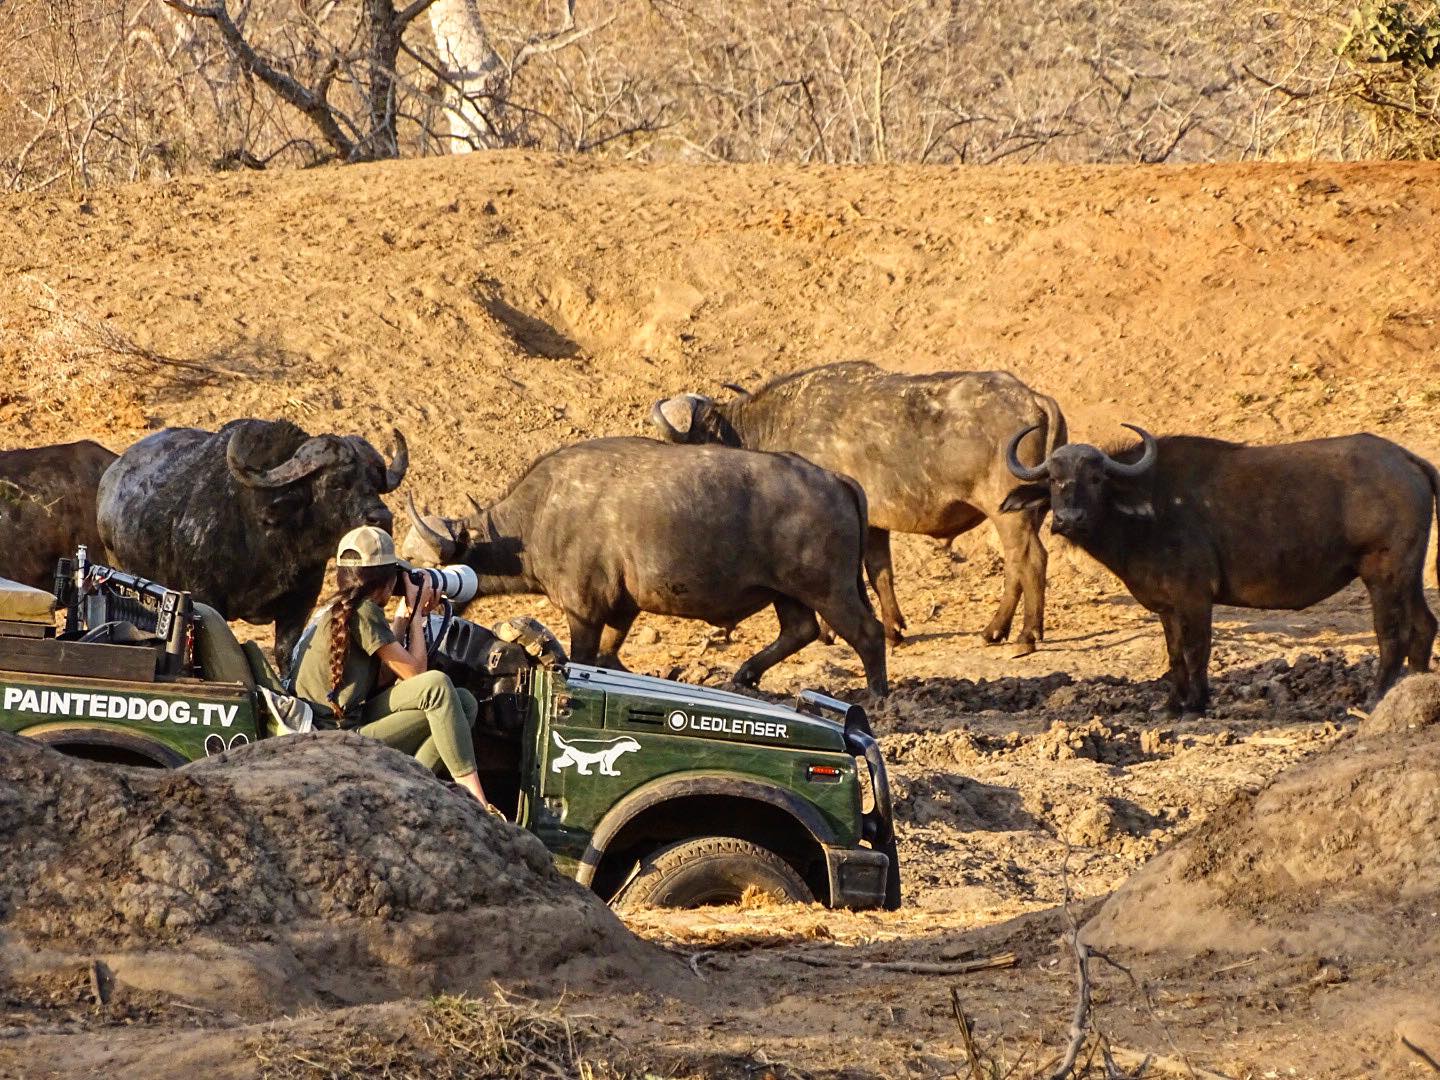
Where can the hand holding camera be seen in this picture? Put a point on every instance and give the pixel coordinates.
(426, 589)
(418, 592)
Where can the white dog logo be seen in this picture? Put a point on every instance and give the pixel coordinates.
(215, 743)
(608, 752)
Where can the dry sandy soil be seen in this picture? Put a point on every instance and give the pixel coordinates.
(497, 307)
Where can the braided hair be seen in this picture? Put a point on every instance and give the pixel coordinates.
(353, 584)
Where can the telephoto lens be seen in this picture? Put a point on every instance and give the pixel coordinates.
(457, 583)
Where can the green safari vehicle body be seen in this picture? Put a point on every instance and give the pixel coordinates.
(610, 767)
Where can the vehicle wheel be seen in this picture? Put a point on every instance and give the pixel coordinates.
(711, 870)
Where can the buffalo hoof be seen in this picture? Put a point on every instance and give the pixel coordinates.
(995, 637)
(893, 635)
(746, 677)
(1192, 714)
(1169, 710)
(1023, 648)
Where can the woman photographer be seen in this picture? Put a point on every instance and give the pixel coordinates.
(358, 676)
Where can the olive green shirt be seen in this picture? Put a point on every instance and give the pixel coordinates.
(369, 633)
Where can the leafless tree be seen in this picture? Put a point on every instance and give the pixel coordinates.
(94, 91)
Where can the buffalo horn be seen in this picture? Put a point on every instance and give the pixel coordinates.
(444, 545)
(311, 456)
(399, 463)
(1139, 468)
(1024, 472)
(479, 510)
(674, 416)
(737, 389)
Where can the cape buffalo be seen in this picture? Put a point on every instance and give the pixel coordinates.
(245, 518)
(928, 450)
(609, 528)
(47, 507)
(1187, 523)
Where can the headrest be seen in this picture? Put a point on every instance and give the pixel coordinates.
(22, 603)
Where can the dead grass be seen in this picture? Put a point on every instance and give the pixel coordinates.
(450, 1038)
(74, 367)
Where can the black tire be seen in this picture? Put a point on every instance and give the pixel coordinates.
(711, 870)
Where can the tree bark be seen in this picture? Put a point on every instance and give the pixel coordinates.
(469, 63)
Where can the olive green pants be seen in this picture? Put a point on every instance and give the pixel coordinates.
(427, 716)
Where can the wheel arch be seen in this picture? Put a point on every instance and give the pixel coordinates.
(114, 746)
(690, 805)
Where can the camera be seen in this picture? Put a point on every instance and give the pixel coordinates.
(457, 584)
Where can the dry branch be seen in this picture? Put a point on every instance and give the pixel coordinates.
(985, 963)
(1080, 1020)
(1133, 1059)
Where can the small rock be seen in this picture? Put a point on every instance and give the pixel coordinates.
(1091, 827)
(1328, 975)
(647, 635)
(1152, 739)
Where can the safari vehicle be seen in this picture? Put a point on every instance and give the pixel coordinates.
(650, 792)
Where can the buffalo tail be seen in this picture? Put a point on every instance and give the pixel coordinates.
(862, 507)
(1433, 477)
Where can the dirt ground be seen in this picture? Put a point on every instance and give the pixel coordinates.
(496, 307)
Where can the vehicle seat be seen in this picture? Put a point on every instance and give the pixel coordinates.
(260, 668)
(23, 603)
(220, 655)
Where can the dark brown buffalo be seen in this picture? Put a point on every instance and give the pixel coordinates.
(1187, 523)
(609, 528)
(245, 518)
(927, 449)
(47, 508)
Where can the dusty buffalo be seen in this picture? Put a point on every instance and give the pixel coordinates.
(612, 527)
(1187, 523)
(47, 507)
(927, 449)
(246, 517)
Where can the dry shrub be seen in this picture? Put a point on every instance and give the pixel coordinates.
(1346, 79)
(451, 1038)
(95, 91)
(71, 368)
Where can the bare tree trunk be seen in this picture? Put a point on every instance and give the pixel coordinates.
(469, 63)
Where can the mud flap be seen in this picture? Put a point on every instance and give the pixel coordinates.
(892, 876)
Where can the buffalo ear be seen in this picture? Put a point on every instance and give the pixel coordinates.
(1027, 497)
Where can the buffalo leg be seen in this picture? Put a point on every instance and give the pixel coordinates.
(617, 627)
(1025, 563)
(1422, 631)
(1196, 629)
(853, 620)
(584, 638)
(1392, 618)
(1175, 652)
(882, 576)
(798, 628)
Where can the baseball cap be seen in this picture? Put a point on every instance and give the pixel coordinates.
(366, 546)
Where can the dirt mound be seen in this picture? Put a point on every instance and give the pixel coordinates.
(318, 863)
(1411, 704)
(1335, 854)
